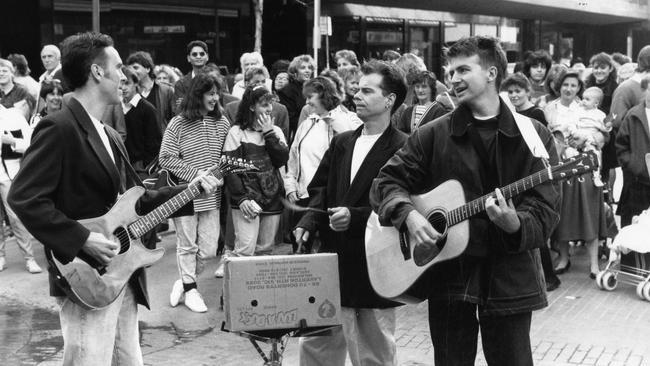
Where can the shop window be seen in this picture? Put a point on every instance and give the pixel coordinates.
(485, 30)
(456, 31)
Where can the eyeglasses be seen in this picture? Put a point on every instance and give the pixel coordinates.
(197, 54)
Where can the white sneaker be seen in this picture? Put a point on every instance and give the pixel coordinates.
(176, 295)
(2, 263)
(194, 301)
(32, 266)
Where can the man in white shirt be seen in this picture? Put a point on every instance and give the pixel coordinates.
(51, 58)
(341, 186)
(247, 61)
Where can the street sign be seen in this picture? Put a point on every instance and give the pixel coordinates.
(325, 26)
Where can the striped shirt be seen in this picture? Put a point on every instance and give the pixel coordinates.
(190, 146)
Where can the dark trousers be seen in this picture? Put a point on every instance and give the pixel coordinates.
(454, 327)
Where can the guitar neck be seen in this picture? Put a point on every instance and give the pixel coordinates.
(477, 206)
(162, 212)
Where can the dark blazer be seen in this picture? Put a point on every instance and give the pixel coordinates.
(331, 187)
(181, 88)
(291, 97)
(279, 112)
(143, 134)
(436, 110)
(67, 175)
(162, 98)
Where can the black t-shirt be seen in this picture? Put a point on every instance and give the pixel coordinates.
(487, 131)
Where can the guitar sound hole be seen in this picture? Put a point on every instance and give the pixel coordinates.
(123, 237)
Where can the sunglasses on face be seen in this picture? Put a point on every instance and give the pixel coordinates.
(197, 54)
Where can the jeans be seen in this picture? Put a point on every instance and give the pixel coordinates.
(255, 236)
(105, 337)
(454, 333)
(23, 237)
(367, 335)
(197, 240)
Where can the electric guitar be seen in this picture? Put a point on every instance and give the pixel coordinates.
(94, 287)
(394, 265)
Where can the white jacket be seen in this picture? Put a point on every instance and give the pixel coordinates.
(12, 120)
(312, 139)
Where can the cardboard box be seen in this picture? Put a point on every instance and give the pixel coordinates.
(276, 292)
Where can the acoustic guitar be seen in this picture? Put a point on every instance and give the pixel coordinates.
(394, 266)
(95, 287)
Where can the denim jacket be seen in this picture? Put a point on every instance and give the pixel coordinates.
(499, 271)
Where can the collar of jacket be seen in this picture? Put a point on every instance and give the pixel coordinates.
(462, 115)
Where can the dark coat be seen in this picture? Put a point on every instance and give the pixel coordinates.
(161, 97)
(406, 120)
(331, 187)
(143, 134)
(632, 143)
(291, 97)
(278, 113)
(500, 271)
(67, 175)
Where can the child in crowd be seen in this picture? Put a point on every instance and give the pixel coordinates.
(589, 131)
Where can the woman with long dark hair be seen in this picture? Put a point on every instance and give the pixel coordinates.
(192, 143)
(255, 197)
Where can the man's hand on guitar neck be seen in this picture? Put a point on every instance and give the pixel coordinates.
(421, 230)
(503, 214)
(209, 183)
(100, 248)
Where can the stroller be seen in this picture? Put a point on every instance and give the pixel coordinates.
(630, 238)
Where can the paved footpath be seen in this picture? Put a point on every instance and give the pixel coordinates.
(581, 326)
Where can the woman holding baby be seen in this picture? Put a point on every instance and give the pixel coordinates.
(578, 128)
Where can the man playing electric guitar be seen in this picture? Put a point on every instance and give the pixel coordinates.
(499, 275)
(74, 170)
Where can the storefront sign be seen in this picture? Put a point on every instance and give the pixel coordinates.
(383, 37)
(325, 26)
(155, 29)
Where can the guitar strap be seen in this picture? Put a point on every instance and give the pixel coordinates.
(530, 136)
(130, 171)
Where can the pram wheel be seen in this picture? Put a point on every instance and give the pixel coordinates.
(606, 281)
(643, 290)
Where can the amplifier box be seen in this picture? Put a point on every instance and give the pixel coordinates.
(277, 292)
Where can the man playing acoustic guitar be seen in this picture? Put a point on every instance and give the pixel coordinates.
(73, 170)
(499, 274)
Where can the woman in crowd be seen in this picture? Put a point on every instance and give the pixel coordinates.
(52, 94)
(551, 87)
(582, 215)
(424, 107)
(192, 143)
(350, 76)
(313, 138)
(603, 75)
(279, 75)
(339, 86)
(255, 197)
(518, 88)
(300, 70)
(166, 75)
(536, 67)
(345, 58)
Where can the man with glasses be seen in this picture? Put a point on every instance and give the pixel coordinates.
(197, 56)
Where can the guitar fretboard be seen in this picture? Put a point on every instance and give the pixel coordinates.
(477, 206)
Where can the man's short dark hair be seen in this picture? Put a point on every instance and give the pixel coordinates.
(79, 52)
(130, 75)
(392, 79)
(197, 43)
(144, 59)
(488, 50)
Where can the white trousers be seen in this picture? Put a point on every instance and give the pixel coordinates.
(367, 335)
(197, 238)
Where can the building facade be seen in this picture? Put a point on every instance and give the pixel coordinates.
(567, 28)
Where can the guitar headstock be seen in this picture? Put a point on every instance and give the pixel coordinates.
(577, 165)
(229, 165)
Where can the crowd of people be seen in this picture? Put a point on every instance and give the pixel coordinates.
(348, 140)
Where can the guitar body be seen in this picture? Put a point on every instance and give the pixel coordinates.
(85, 285)
(391, 274)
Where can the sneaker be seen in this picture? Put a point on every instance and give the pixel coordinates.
(194, 301)
(2, 263)
(176, 295)
(33, 267)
